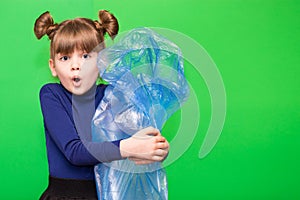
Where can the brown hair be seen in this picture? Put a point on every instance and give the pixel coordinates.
(80, 33)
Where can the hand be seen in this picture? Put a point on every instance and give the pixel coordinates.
(139, 161)
(144, 147)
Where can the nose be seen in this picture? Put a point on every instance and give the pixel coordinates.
(75, 66)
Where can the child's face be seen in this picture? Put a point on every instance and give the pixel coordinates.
(77, 71)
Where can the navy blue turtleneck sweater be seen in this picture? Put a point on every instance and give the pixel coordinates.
(67, 121)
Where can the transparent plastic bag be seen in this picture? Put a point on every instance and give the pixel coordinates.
(146, 86)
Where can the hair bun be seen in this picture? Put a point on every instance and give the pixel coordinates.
(109, 23)
(44, 25)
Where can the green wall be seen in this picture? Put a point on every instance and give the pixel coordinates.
(255, 45)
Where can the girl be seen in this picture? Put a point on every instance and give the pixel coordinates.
(68, 108)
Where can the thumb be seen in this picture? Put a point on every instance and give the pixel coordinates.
(147, 132)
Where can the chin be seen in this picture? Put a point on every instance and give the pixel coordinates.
(78, 92)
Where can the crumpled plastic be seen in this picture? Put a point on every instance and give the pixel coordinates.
(146, 86)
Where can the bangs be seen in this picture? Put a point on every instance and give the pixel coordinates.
(78, 35)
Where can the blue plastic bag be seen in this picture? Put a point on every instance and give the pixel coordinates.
(146, 86)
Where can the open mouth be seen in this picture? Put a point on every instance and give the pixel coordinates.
(76, 79)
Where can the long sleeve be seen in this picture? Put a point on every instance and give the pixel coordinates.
(66, 150)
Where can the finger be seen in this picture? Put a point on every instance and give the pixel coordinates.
(159, 138)
(162, 145)
(158, 158)
(147, 133)
(160, 152)
(152, 131)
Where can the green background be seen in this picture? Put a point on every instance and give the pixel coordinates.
(255, 45)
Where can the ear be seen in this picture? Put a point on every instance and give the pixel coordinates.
(52, 67)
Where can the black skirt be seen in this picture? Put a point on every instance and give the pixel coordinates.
(59, 189)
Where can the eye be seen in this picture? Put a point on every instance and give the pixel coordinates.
(86, 56)
(64, 58)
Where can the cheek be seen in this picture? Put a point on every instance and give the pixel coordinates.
(90, 72)
(61, 73)
(95, 73)
(91, 67)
